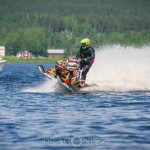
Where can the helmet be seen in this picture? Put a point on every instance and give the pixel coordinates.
(85, 43)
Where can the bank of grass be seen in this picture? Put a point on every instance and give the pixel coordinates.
(41, 60)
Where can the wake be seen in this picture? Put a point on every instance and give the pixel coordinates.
(46, 87)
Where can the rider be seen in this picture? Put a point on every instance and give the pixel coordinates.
(87, 56)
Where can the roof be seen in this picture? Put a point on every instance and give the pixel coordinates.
(55, 51)
(2, 47)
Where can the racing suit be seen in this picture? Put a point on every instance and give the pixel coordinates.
(87, 57)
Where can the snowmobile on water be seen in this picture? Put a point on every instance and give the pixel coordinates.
(67, 73)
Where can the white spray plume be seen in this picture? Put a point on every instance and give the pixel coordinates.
(118, 68)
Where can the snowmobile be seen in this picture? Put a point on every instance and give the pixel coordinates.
(68, 74)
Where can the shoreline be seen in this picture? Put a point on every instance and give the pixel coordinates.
(12, 59)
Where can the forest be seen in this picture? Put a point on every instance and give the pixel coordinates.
(38, 25)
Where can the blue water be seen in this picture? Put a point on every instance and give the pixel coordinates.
(49, 120)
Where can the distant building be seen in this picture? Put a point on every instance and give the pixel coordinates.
(55, 53)
(2, 51)
(24, 54)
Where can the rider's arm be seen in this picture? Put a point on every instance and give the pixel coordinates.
(92, 53)
(78, 55)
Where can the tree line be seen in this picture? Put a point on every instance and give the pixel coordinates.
(38, 25)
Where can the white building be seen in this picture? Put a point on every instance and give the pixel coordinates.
(2, 51)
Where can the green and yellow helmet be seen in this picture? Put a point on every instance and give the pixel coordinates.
(85, 43)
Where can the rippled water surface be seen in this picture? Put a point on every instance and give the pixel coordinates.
(35, 117)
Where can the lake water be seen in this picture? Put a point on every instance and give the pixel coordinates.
(34, 114)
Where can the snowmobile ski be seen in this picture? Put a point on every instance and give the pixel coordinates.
(41, 69)
(64, 84)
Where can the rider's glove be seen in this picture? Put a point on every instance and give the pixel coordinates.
(85, 59)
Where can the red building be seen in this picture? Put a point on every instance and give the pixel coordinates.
(24, 54)
(55, 53)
